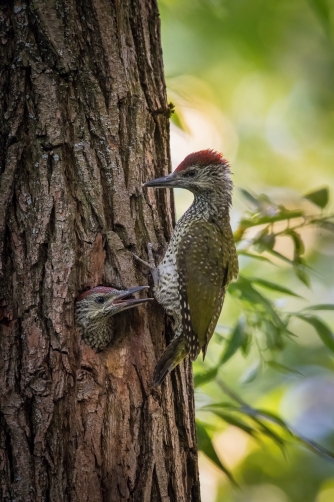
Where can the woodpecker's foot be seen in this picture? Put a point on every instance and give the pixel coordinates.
(154, 270)
(143, 262)
(150, 264)
(150, 255)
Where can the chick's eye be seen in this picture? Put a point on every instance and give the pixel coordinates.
(190, 174)
(99, 299)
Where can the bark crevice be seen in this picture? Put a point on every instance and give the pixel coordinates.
(82, 126)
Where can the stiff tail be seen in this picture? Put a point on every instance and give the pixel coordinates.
(172, 356)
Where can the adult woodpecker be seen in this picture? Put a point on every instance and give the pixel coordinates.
(94, 311)
(201, 259)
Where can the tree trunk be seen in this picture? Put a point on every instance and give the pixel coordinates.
(84, 121)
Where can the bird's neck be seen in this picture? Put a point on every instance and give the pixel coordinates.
(101, 324)
(104, 324)
(212, 204)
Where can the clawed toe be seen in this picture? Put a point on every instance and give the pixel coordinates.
(150, 264)
(143, 262)
(150, 255)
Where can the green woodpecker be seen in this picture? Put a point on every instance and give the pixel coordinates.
(201, 259)
(94, 310)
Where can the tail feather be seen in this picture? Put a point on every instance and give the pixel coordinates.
(172, 356)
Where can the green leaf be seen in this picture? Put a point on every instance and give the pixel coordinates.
(323, 330)
(223, 404)
(267, 431)
(320, 197)
(282, 368)
(312, 445)
(257, 413)
(247, 195)
(321, 306)
(265, 242)
(205, 377)
(273, 336)
(250, 373)
(255, 256)
(260, 220)
(273, 286)
(246, 345)
(269, 415)
(322, 11)
(234, 421)
(302, 276)
(297, 241)
(245, 291)
(205, 445)
(237, 338)
(315, 447)
(280, 256)
(296, 263)
(289, 334)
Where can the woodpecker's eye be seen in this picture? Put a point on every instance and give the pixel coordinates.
(100, 299)
(190, 174)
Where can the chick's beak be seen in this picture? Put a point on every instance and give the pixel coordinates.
(164, 181)
(124, 303)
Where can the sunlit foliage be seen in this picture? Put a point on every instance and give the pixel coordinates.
(255, 79)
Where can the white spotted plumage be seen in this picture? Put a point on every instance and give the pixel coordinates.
(200, 259)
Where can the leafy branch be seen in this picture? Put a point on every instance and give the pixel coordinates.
(253, 422)
(267, 214)
(261, 322)
(262, 317)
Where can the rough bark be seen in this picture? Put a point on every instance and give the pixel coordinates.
(84, 121)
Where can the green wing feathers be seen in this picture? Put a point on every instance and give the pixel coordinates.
(171, 357)
(206, 263)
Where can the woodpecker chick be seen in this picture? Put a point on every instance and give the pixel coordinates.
(94, 310)
(201, 258)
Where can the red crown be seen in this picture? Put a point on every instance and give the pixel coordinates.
(202, 158)
(98, 289)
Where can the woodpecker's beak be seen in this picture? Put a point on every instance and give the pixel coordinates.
(165, 181)
(123, 303)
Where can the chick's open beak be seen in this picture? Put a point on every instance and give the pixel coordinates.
(124, 303)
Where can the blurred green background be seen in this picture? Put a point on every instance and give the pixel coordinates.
(254, 79)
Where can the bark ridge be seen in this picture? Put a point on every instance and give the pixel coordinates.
(84, 121)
